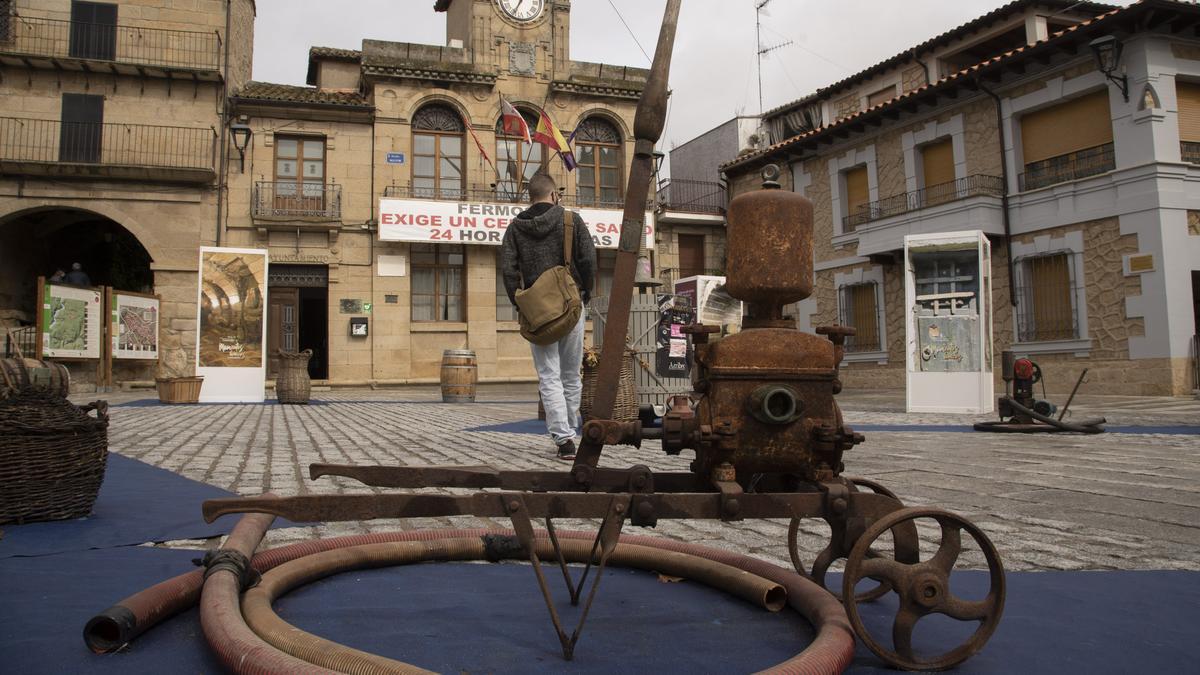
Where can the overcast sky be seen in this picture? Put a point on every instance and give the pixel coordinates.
(713, 74)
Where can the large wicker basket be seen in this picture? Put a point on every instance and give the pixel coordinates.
(626, 406)
(292, 383)
(52, 457)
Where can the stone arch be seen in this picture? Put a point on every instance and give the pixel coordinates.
(607, 115)
(439, 98)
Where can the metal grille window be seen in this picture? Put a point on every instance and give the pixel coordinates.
(859, 307)
(599, 154)
(438, 288)
(438, 153)
(1046, 298)
(6, 20)
(516, 160)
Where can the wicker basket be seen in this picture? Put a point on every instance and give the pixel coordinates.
(625, 408)
(52, 457)
(179, 389)
(292, 383)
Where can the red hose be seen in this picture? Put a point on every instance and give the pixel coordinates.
(830, 652)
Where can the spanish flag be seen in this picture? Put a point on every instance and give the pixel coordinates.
(548, 135)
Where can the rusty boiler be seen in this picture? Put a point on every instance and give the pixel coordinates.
(763, 400)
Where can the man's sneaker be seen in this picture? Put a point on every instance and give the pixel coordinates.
(566, 450)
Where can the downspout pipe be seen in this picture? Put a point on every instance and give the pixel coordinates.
(924, 66)
(1004, 208)
(223, 173)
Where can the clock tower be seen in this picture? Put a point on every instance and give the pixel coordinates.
(519, 38)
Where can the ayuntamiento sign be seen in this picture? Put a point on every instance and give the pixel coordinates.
(482, 222)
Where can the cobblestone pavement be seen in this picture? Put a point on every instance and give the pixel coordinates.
(1114, 501)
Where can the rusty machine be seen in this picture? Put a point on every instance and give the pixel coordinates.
(1027, 414)
(762, 421)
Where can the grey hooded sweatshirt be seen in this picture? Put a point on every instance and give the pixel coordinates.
(533, 243)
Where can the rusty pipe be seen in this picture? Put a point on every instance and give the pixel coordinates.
(118, 625)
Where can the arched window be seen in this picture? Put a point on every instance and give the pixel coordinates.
(516, 160)
(437, 155)
(598, 151)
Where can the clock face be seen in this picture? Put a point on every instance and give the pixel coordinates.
(522, 10)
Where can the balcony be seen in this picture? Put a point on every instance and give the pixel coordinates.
(494, 195)
(119, 151)
(943, 193)
(133, 50)
(1069, 167)
(292, 201)
(692, 196)
(1189, 152)
(970, 203)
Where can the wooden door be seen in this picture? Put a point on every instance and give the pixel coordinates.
(82, 128)
(284, 318)
(691, 255)
(93, 30)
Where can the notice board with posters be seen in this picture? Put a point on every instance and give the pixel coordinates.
(673, 351)
(134, 325)
(69, 323)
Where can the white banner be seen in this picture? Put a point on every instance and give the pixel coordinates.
(482, 223)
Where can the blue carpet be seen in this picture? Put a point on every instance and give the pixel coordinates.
(539, 427)
(457, 617)
(154, 403)
(137, 503)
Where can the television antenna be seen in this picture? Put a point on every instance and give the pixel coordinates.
(759, 10)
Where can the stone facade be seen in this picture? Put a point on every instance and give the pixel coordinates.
(155, 175)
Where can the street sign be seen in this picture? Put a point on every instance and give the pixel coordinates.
(395, 158)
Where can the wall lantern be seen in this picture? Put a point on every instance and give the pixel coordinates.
(659, 156)
(240, 133)
(1107, 50)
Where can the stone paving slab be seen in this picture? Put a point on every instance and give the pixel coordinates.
(1127, 501)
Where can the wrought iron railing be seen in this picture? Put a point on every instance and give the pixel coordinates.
(1069, 167)
(692, 196)
(481, 193)
(1189, 152)
(20, 342)
(289, 199)
(111, 144)
(968, 186)
(136, 45)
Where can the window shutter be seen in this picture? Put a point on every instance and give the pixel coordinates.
(691, 255)
(938, 162)
(864, 317)
(1050, 277)
(1079, 124)
(1188, 96)
(858, 192)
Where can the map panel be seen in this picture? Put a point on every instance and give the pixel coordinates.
(71, 322)
(134, 327)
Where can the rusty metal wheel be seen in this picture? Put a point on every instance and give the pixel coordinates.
(924, 588)
(840, 545)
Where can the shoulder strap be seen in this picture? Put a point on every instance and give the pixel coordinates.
(568, 236)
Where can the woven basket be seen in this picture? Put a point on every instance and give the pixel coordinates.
(292, 383)
(625, 408)
(52, 457)
(179, 389)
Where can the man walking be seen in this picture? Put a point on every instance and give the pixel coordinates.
(533, 244)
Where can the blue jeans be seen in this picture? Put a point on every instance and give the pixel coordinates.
(558, 367)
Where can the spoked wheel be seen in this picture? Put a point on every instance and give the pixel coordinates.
(840, 545)
(924, 588)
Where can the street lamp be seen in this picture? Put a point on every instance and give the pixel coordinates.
(240, 133)
(1107, 51)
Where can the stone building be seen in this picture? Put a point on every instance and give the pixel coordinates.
(110, 145)
(1066, 132)
(304, 172)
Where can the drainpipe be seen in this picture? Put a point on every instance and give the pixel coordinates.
(924, 67)
(222, 176)
(1012, 280)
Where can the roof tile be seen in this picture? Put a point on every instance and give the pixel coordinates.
(267, 91)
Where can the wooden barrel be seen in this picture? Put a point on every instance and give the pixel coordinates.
(459, 375)
(41, 375)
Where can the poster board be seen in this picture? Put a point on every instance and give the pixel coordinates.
(134, 325)
(672, 349)
(69, 323)
(231, 315)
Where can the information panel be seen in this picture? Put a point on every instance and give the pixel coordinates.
(134, 328)
(232, 314)
(70, 323)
